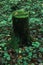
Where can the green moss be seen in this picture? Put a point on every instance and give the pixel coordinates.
(21, 13)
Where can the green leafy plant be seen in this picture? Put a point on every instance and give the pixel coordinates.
(36, 44)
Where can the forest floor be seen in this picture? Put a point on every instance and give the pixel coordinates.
(31, 55)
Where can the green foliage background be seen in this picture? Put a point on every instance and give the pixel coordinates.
(35, 7)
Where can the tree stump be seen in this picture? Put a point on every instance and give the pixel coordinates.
(21, 26)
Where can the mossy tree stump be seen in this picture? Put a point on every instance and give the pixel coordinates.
(21, 26)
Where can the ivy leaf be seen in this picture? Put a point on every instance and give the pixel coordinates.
(10, 18)
(3, 22)
(41, 49)
(8, 58)
(36, 44)
(32, 64)
(25, 63)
